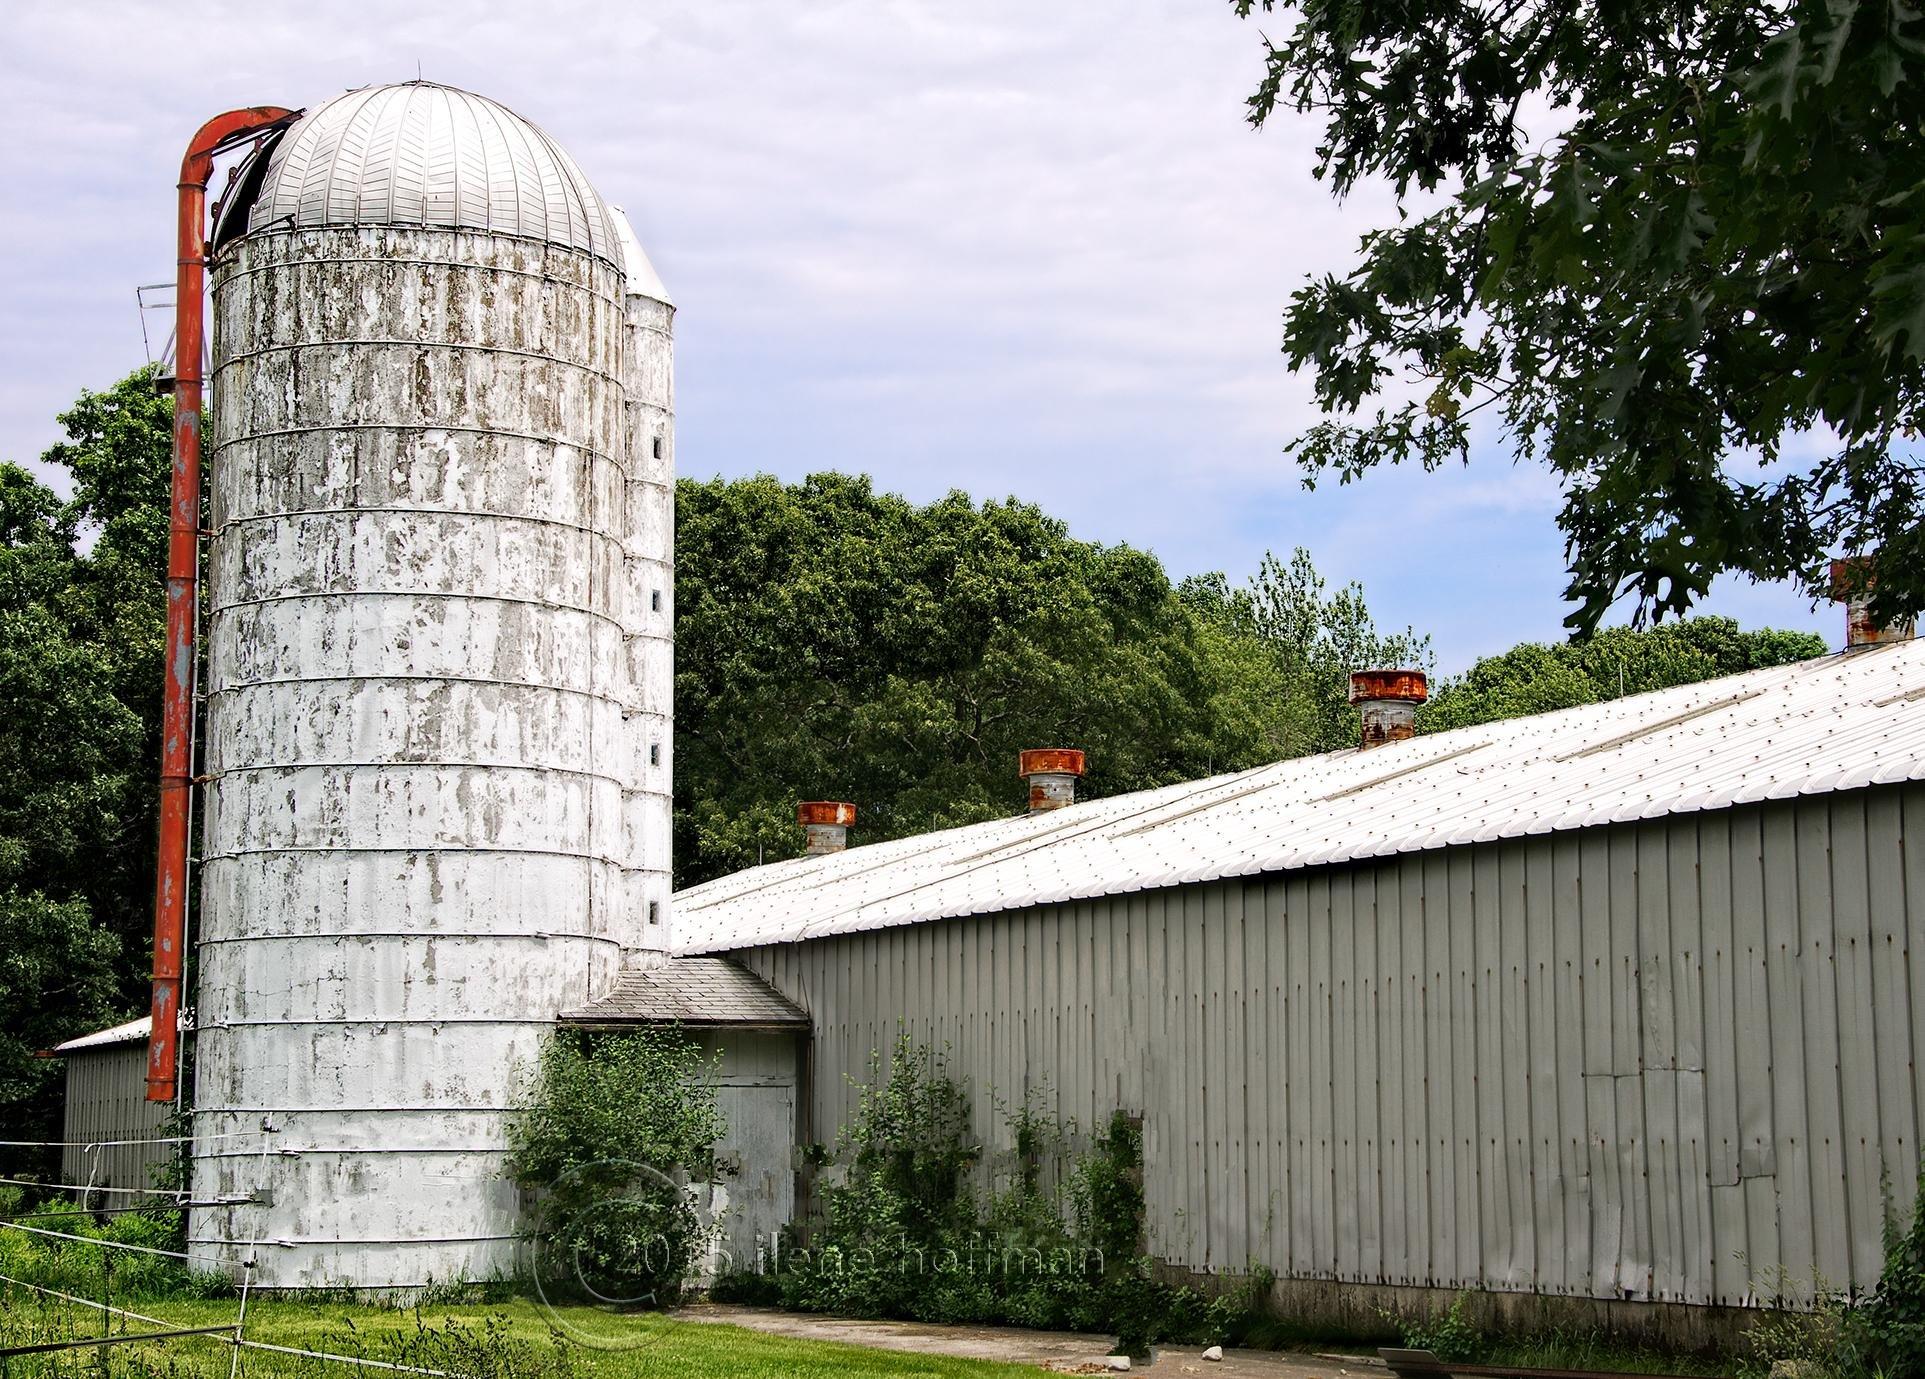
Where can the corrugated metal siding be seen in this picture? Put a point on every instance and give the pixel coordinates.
(107, 1100)
(1665, 1060)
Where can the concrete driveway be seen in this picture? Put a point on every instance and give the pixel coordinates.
(1065, 1352)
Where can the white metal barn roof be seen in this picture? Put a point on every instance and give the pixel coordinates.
(1835, 723)
(417, 153)
(133, 1032)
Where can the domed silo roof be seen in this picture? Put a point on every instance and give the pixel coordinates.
(420, 154)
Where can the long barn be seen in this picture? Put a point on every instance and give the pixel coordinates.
(1616, 1005)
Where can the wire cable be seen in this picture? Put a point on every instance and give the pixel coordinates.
(39, 1215)
(90, 1187)
(104, 1244)
(122, 1144)
(227, 1340)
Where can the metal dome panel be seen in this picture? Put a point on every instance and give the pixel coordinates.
(416, 153)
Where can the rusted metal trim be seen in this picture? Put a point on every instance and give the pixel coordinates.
(825, 825)
(1059, 761)
(1392, 683)
(825, 812)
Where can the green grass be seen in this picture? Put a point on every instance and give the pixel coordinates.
(602, 1345)
(1562, 1350)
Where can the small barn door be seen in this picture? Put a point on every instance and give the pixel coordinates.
(756, 1093)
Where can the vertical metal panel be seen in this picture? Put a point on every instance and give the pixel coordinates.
(1861, 1141)
(1417, 1102)
(1368, 1144)
(1555, 954)
(1554, 1262)
(1785, 982)
(1517, 1129)
(1602, 1063)
(1458, 996)
(1497, 1259)
(1887, 1001)
(107, 1101)
(1824, 1097)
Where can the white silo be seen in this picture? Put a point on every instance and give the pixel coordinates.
(431, 819)
(649, 381)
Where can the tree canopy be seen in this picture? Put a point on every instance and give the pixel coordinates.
(1536, 678)
(1676, 250)
(833, 642)
(82, 614)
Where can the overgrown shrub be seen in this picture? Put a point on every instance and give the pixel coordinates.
(92, 1270)
(1450, 1335)
(1888, 1327)
(617, 1128)
(908, 1234)
(1838, 1335)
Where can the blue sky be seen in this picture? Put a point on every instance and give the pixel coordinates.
(1002, 247)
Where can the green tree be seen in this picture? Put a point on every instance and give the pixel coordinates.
(1714, 262)
(1536, 678)
(832, 642)
(81, 610)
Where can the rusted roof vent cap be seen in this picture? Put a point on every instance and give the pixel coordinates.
(1051, 773)
(1387, 701)
(1852, 584)
(825, 825)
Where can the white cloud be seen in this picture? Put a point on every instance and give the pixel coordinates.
(998, 246)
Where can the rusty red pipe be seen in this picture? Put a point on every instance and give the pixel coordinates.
(183, 561)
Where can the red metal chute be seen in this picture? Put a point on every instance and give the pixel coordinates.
(183, 558)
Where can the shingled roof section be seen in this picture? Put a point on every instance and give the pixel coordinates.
(691, 991)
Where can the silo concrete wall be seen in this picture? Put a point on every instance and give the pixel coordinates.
(649, 604)
(419, 731)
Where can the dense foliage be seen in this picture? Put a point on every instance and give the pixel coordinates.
(1886, 1330)
(1535, 678)
(100, 1271)
(918, 1227)
(81, 623)
(837, 643)
(1661, 242)
(616, 1126)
